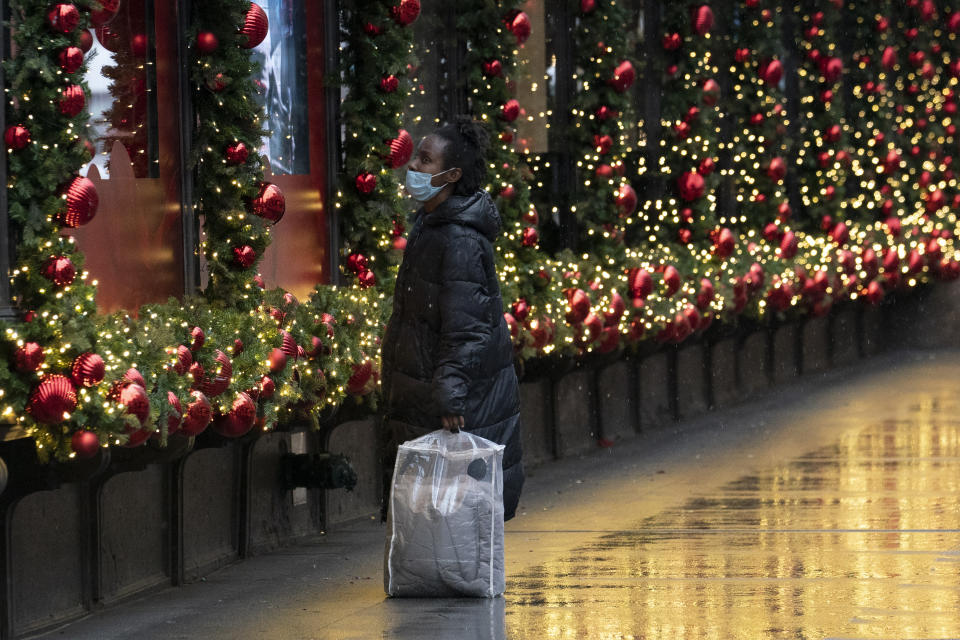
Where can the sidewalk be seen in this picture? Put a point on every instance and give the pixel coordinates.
(827, 509)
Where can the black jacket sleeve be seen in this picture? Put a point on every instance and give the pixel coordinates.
(465, 329)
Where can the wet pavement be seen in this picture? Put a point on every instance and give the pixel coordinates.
(829, 509)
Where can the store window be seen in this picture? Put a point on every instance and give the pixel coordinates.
(121, 74)
(534, 81)
(134, 246)
(282, 87)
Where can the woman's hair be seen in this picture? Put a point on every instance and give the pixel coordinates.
(466, 148)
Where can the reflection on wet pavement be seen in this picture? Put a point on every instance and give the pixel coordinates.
(859, 539)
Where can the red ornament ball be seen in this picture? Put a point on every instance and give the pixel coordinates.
(175, 413)
(207, 42)
(184, 360)
(85, 444)
(59, 270)
(671, 278)
(953, 22)
(833, 70)
(357, 262)
(54, 397)
(244, 256)
(530, 237)
(71, 59)
(366, 183)
(587, 6)
(82, 201)
(278, 360)
(267, 387)
(255, 26)
(17, 137)
(711, 92)
(109, 38)
(212, 386)
(401, 148)
(492, 68)
(72, 100)
(509, 192)
(139, 44)
(672, 41)
(519, 25)
(406, 13)
(389, 84)
(198, 338)
(132, 376)
(29, 357)
(237, 153)
(772, 72)
(371, 29)
(640, 283)
(603, 144)
(199, 414)
(623, 76)
(108, 11)
(626, 200)
(135, 399)
(63, 17)
(702, 20)
(85, 40)
(240, 420)
(288, 345)
(217, 83)
(363, 380)
(510, 111)
(88, 370)
(366, 279)
(725, 243)
(777, 169)
(691, 186)
(270, 203)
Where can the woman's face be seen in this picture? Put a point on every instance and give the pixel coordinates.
(429, 159)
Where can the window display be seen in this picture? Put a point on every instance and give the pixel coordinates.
(121, 74)
(282, 86)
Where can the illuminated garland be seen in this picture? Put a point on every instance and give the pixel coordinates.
(601, 107)
(374, 69)
(529, 281)
(79, 373)
(823, 159)
(236, 205)
(758, 110)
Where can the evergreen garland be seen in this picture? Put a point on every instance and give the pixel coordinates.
(601, 108)
(227, 114)
(374, 70)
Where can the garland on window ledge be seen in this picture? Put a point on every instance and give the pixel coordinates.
(77, 381)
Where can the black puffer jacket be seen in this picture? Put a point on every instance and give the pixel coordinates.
(447, 350)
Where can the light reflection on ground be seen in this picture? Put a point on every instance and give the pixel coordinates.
(857, 539)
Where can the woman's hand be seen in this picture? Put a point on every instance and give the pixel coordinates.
(452, 424)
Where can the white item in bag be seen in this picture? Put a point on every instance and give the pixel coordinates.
(445, 522)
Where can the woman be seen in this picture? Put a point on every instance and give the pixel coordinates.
(447, 356)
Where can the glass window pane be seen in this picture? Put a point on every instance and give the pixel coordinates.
(123, 93)
(283, 86)
(532, 80)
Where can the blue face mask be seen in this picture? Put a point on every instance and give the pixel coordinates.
(418, 185)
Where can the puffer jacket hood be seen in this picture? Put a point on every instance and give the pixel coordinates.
(476, 211)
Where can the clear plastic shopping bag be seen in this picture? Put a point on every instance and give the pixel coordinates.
(445, 521)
